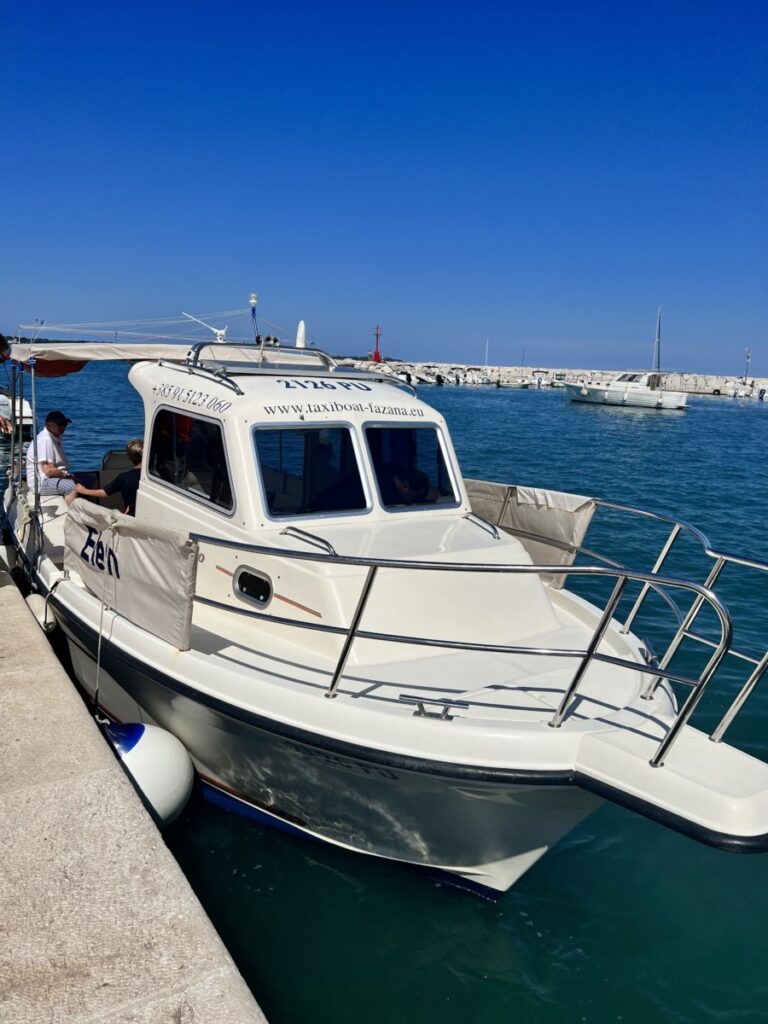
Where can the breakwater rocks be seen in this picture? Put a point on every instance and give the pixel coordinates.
(541, 377)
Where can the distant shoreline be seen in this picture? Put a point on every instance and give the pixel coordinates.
(690, 383)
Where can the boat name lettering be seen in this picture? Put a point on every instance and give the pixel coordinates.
(343, 762)
(188, 396)
(370, 407)
(98, 554)
(325, 385)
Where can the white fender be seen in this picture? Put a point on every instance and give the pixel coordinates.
(159, 765)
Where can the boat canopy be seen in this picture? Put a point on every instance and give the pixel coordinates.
(56, 359)
(82, 352)
(86, 351)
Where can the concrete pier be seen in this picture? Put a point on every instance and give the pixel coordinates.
(97, 922)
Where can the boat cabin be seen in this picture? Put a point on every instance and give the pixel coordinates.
(644, 381)
(268, 446)
(319, 457)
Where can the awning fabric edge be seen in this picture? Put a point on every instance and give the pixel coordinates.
(86, 352)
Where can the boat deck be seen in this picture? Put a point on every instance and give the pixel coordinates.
(406, 679)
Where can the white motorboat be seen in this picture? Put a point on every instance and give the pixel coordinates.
(6, 410)
(353, 641)
(636, 389)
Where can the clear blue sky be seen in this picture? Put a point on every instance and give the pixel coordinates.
(539, 174)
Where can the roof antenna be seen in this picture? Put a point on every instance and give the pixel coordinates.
(301, 335)
(253, 298)
(219, 335)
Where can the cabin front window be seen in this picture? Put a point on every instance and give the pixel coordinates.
(410, 466)
(309, 470)
(188, 452)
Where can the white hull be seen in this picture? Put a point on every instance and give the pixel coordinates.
(363, 799)
(634, 398)
(27, 422)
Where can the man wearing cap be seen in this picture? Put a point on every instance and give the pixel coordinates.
(53, 475)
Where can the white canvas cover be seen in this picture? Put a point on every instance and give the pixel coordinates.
(137, 351)
(87, 351)
(557, 515)
(144, 573)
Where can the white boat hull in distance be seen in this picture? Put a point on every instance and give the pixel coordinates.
(23, 414)
(638, 398)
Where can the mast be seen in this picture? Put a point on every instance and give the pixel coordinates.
(657, 343)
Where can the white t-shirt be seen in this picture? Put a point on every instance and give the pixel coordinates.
(49, 449)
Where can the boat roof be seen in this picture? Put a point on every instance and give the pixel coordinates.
(227, 358)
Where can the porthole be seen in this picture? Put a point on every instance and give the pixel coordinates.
(253, 586)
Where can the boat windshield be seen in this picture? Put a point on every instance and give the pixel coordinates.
(410, 466)
(309, 470)
(630, 377)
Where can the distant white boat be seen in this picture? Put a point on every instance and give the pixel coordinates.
(641, 390)
(26, 419)
(476, 376)
(637, 389)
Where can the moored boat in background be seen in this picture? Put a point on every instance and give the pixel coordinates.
(635, 389)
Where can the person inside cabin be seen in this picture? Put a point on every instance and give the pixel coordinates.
(5, 354)
(53, 475)
(404, 485)
(127, 483)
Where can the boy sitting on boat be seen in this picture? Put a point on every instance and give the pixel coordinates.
(126, 483)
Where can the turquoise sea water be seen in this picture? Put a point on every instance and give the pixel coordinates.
(623, 920)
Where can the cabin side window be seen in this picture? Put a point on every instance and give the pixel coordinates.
(410, 466)
(309, 470)
(189, 453)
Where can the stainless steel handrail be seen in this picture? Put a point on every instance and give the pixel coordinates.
(483, 524)
(193, 356)
(310, 538)
(577, 549)
(701, 596)
(597, 636)
(721, 559)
